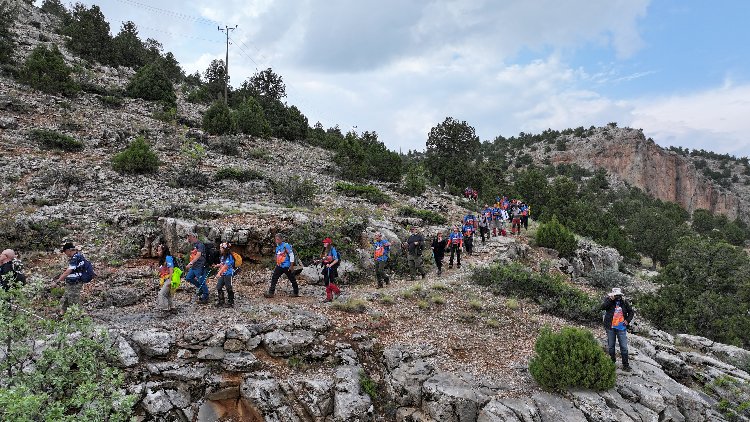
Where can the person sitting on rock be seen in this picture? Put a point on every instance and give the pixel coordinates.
(165, 297)
(455, 242)
(284, 259)
(617, 317)
(330, 262)
(224, 275)
(11, 270)
(382, 249)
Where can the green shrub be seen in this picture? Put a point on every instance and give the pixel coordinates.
(429, 217)
(250, 119)
(295, 190)
(45, 70)
(218, 119)
(137, 158)
(226, 145)
(415, 182)
(167, 113)
(241, 175)
(370, 193)
(369, 386)
(550, 291)
(556, 236)
(352, 306)
(7, 37)
(112, 101)
(152, 84)
(88, 30)
(51, 139)
(571, 358)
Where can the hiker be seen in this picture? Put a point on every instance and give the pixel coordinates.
(74, 276)
(382, 249)
(455, 242)
(484, 226)
(515, 226)
(284, 259)
(415, 244)
(330, 262)
(11, 270)
(504, 217)
(224, 276)
(196, 268)
(617, 317)
(496, 222)
(524, 216)
(468, 234)
(439, 245)
(165, 297)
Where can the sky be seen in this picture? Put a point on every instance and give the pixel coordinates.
(678, 69)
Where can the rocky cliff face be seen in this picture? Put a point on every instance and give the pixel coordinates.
(626, 154)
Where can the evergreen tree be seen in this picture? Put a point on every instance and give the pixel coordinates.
(7, 38)
(89, 34)
(128, 48)
(151, 83)
(45, 70)
(451, 148)
(249, 118)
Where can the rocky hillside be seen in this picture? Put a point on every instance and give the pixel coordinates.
(438, 349)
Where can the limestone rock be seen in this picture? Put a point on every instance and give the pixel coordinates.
(153, 342)
(447, 397)
(265, 393)
(211, 353)
(240, 362)
(316, 395)
(281, 343)
(157, 403)
(350, 403)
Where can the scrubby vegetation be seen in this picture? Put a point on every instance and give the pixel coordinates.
(368, 192)
(51, 139)
(554, 235)
(552, 292)
(294, 190)
(45, 70)
(137, 158)
(571, 358)
(151, 83)
(429, 217)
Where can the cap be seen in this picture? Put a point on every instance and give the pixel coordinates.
(327, 241)
(68, 246)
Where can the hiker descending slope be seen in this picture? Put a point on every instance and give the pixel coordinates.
(330, 261)
(617, 316)
(224, 275)
(79, 271)
(169, 279)
(415, 244)
(455, 242)
(284, 259)
(382, 249)
(196, 268)
(439, 245)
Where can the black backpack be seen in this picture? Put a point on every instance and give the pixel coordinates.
(212, 254)
(87, 271)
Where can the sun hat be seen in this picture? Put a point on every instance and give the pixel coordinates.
(616, 291)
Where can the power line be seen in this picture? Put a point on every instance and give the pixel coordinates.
(178, 15)
(179, 35)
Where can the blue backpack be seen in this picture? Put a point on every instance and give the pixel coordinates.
(87, 272)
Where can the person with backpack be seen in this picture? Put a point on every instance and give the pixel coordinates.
(11, 270)
(196, 268)
(330, 261)
(455, 242)
(168, 272)
(284, 259)
(484, 226)
(468, 232)
(515, 226)
(224, 275)
(382, 249)
(524, 216)
(415, 244)
(439, 245)
(79, 271)
(617, 317)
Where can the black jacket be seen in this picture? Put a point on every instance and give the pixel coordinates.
(609, 306)
(438, 248)
(415, 249)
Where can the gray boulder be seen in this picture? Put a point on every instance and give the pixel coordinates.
(240, 362)
(448, 397)
(553, 408)
(211, 353)
(350, 403)
(156, 403)
(153, 342)
(316, 395)
(264, 392)
(282, 343)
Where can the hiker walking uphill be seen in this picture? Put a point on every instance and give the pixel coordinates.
(79, 271)
(617, 316)
(224, 276)
(284, 259)
(196, 268)
(439, 245)
(169, 279)
(330, 261)
(382, 249)
(468, 233)
(11, 270)
(484, 224)
(455, 242)
(415, 244)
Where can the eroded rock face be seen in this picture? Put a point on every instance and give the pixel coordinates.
(661, 173)
(153, 342)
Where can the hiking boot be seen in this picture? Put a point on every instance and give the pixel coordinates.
(203, 301)
(440, 271)
(229, 305)
(268, 295)
(627, 368)
(458, 266)
(326, 300)
(294, 294)
(450, 267)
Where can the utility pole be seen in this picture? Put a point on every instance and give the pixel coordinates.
(226, 62)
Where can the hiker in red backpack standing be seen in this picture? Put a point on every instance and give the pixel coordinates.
(330, 263)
